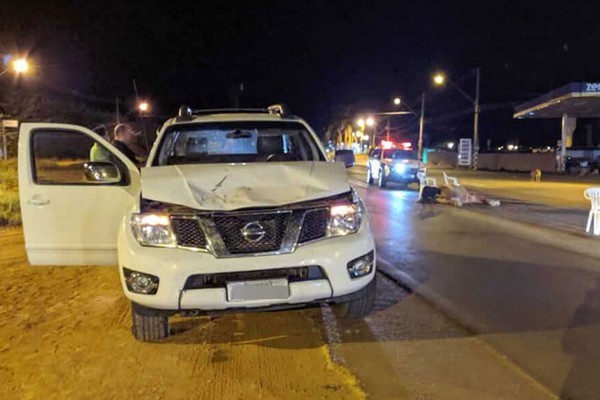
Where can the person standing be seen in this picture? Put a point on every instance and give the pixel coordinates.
(99, 152)
(124, 138)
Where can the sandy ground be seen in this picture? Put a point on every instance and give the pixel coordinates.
(65, 334)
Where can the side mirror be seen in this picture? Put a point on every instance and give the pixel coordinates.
(345, 156)
(101, 171)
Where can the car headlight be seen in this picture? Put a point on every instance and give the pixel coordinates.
(400, 168)
(346, 218)
(152, 229)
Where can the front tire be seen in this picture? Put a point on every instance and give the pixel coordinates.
(147, 324)
(361, 306)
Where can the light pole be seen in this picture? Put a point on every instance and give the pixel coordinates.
(398, 101)
(19, 66)
(439, 79)
(370, 121)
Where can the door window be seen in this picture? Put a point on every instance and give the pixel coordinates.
(73, 158)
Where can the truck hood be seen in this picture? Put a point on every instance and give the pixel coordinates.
(223, 187)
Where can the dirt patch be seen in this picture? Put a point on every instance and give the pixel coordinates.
(65, 334)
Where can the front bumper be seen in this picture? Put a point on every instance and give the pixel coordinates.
(174, 266)
(410, 175)
(403, 178)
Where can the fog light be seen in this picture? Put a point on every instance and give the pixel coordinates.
(138, 282)
(361, 266)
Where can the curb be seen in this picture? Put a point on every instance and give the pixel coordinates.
(448, 308)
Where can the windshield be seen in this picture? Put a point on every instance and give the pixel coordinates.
(237, 142)
(400, 154)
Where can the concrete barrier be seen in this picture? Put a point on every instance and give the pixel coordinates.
(517, 161)
(498, 161)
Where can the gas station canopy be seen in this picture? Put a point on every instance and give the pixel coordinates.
(577, 99)
(572, 101)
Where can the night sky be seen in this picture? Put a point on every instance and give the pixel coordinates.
(321, 58)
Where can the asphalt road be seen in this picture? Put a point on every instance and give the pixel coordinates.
(536, 306)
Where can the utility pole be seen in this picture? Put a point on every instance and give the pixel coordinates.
(476, 122)
(387, 128)
(4, 146)
(421, 127)
(137, 101)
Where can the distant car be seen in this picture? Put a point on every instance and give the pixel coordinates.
(345, 156)
(394, 165)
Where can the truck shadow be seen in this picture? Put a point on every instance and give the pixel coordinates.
(312, 327)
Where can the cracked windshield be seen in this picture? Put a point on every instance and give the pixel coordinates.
(299, 200)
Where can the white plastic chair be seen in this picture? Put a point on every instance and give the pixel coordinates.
(593, 195)
(450, 180)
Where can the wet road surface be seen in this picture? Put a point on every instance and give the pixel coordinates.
(536, 306)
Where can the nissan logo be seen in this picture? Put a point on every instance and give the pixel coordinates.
(253, 232)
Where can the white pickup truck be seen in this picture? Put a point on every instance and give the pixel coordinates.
(234, 209)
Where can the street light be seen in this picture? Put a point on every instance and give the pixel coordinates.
(397, 101)
(370, 122)
(144, 106)
(439, 79)
(20, 66)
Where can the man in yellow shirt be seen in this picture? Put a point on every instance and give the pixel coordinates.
(99, 152)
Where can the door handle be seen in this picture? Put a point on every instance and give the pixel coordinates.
(38, 201)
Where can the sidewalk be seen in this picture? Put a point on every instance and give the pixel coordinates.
(556, 206)
(556, 203)
(570, 220)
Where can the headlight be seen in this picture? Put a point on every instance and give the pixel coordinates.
(346, 218)
(400, 168)
(153, 230)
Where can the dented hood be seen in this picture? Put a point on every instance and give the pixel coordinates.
(232, 186)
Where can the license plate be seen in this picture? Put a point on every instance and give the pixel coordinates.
(267, 289)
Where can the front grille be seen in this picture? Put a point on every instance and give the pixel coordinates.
(314, 225)
(412, 171)
(219, 280)
(230, 228)
(188, 232)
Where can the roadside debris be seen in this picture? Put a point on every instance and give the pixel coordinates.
(452, 192)
(458, 195)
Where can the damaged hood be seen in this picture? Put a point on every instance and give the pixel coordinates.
(233, 186)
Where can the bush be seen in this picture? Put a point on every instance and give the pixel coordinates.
(10, 210)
